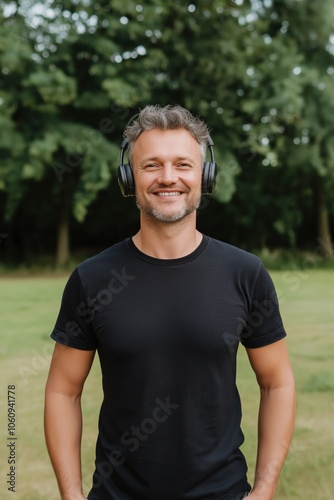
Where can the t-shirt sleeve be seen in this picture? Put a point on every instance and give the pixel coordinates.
(74, 328)
(264, 324)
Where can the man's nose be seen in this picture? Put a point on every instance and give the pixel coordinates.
(168, 175)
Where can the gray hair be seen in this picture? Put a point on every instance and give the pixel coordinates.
(166, 118)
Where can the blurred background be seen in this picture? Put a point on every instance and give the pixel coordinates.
(261, 74)
(73, 73)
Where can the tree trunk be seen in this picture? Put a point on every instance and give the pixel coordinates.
(323, 229)
(63, 233)
(63, 239)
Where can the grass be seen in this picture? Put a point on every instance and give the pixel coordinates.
(28, 309)
(307, 300)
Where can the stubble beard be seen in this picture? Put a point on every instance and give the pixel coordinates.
(162, 216)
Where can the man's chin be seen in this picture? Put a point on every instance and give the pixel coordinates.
(167, 215)
(158, 215)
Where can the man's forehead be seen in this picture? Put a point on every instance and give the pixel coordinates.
(173, 140)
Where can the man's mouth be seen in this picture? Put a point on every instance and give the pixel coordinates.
(168, 193)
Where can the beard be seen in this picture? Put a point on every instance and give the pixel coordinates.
(171, 215)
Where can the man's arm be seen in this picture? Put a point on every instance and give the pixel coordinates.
(276, 415)
(63, 418)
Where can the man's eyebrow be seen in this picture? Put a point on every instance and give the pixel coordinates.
(177, 158)
(186, 158)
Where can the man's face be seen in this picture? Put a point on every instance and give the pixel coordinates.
(167, 168)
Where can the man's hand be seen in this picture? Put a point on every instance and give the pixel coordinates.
(257, 496)
(79, 496)
(74, 494)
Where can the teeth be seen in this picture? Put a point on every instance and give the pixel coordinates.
(169, 193)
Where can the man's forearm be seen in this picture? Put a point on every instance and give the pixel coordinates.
(63, 430)
(276, 423)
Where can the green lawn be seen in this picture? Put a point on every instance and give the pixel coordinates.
(28, 309)
(307, 306)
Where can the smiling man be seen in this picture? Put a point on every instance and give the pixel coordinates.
(168, 172)
(167, 327)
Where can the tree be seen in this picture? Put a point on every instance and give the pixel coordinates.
(59, 125)
(81, 63)
(259, 72)
(289, 95)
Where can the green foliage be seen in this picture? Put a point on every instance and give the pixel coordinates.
(260, 73)
(53, 86)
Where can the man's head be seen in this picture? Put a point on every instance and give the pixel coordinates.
(167, 173)
(167, 118)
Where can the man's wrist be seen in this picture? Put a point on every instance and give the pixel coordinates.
(262, 491)
(73, 496)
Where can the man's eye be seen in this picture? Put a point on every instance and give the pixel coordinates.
(151, 166)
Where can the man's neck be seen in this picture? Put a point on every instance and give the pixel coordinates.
(168, 240)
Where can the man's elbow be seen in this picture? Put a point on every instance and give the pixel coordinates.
(284, 381)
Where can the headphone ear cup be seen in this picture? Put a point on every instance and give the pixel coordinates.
(209, 177)
(126, 181)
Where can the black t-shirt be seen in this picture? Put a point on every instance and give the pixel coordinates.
(167, 333)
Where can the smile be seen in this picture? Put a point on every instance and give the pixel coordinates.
(168, 193)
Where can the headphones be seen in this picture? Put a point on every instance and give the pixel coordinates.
(126, 180)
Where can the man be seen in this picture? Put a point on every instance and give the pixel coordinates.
(166, 310)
